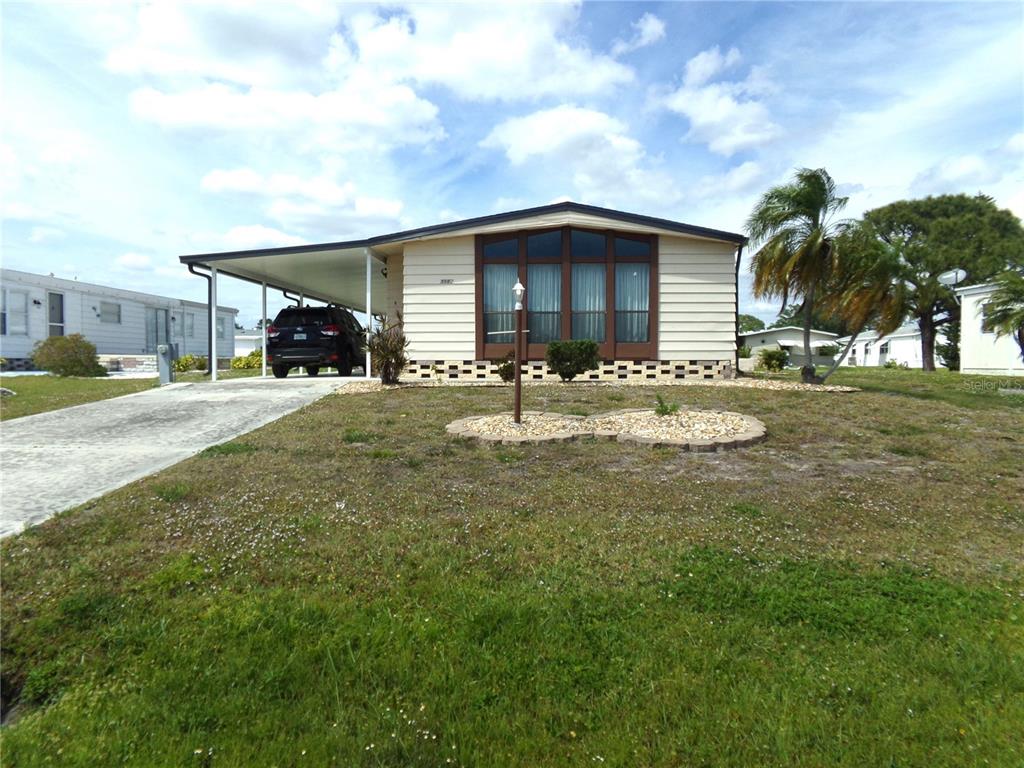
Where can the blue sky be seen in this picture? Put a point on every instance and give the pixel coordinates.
(134, 133)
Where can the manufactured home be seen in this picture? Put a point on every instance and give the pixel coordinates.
(791, 339)
(902, 346)
(125, 326)
(981, 351)
(658, 296)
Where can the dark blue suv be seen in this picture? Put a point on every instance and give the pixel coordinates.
(314, 338)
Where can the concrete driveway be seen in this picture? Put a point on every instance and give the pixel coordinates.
(53, 461)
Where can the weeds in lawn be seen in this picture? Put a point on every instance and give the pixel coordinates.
(228, 449)
(351, 435)
(663, 408)
(171, 492)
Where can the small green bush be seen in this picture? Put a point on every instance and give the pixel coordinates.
(507, 369)
(387, 350)
(663, 408)
(773, 360)
(743, 351)
(569, 359)
(185, 363)
(895, 364)
(72, 355)
(247, 362)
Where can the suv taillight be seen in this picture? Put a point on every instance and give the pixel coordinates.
(273, 332)
(330, 330)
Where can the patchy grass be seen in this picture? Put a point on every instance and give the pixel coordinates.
(230, 448)
(37, 394)
(846, 593)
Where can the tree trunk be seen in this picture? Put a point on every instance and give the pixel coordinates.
(927, 327)
(807, 371)
(1020, 341)
(839, 360)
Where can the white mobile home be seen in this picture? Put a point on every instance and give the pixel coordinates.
(125, 326)
(791, 339)
(658, 296)
(980, 350)
(902, 346)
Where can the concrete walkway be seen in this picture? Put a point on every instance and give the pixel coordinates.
(53, 461)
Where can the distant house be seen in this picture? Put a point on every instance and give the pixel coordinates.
(248, 340)
(902, 346)
(125, 326)
(980, 350)
(790, 338)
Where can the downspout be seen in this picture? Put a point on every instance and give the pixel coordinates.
(209, 329)
(736, 321)
(291, 297)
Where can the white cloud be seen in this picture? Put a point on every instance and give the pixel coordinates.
(488, 51)
(739, 179)
(134, 261)
(726, 116)
(42, 234)
(258, 236)
(605, 163)
(647, 30)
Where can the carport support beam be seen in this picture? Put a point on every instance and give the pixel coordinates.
(369, 315)
(263, 326)
(213, 324)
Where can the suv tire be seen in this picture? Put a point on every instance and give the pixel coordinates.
(345, 364)
(313, 370)
(280, 371)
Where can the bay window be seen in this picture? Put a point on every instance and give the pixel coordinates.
(580, 284)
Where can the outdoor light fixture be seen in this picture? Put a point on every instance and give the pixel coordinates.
(518, 291)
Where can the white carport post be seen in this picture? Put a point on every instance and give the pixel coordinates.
(213, 324)
(263, 325)
(369, 315)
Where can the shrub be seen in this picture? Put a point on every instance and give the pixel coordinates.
(185, 363)
(743, 351)
(72, 355)
(507, 369)
(568, 359)
(387, 350)
(830, 350)
(663, 408)
(895, 364)
(244, 362)
(773, 359)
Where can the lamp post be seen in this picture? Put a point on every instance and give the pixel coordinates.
(517, 291)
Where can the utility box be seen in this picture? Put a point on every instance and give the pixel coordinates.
(166, 354)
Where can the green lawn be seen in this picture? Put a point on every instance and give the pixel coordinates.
(36, 394)
(348, 586)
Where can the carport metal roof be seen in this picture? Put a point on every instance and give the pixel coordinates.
(336, 272)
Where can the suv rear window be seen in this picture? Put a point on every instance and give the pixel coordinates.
(293, 318)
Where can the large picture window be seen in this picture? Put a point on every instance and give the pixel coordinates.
(580, 284)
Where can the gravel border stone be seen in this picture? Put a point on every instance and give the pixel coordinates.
(721, 430)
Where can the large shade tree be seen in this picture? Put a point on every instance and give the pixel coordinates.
(794, 229)
(1004, 311)
(934, 235)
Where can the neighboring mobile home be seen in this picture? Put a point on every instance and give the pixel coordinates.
(901, 346)
(791, 339)
(658, 296)
(125, 326)
(980, 350)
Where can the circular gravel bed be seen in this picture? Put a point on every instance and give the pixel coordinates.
(702, 431)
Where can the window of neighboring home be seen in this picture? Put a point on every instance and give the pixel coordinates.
(190, 325)
(221, 328)
(13, 313)
(110, 312)
(580, 284)
(884, 349)
(986, 319)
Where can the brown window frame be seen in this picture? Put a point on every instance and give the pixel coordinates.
(610, 349)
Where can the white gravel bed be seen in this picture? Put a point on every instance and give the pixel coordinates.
(773, 384)
(687, 430)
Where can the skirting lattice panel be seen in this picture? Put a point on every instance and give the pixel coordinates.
(609, 370)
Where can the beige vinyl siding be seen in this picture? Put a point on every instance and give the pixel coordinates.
(697, 299)
(440, 317)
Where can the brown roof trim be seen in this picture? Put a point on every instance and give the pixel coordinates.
(498, 218)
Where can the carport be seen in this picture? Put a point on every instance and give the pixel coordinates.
(351, 274)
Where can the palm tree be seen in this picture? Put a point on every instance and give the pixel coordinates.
(1004, 312)
(793, 225)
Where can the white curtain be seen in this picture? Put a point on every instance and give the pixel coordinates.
(499, 303)
(544, 302)
(588, 301)
(632, 301)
